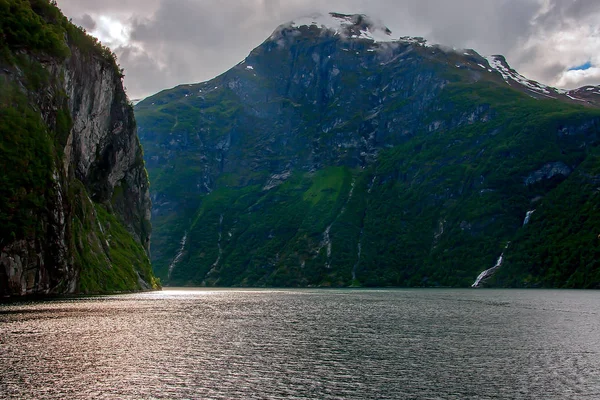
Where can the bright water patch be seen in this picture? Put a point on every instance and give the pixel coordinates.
(305, 344)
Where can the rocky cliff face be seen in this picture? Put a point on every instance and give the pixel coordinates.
(103, 149)
(84, 225)
(336, 155)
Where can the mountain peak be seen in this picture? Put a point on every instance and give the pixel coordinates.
(355, 26)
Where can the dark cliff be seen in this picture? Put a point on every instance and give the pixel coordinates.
(74, 201)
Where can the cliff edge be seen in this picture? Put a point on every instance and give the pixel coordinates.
(74, 193)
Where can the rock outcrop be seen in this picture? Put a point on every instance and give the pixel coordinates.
(85, 225)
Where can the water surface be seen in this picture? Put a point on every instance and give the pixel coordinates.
(305, 344)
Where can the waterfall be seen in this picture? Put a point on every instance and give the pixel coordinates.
(326, 241)
(178, 255)
(360, 235)
(358, 254)
(350, 193)
(489, 272)
(371, 184)
(528, 217)
(220, 236)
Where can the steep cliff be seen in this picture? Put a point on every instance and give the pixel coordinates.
(337, 155)
(74, 200)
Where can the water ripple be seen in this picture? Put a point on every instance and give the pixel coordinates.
(304, 344)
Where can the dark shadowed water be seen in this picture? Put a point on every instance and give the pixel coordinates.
(305, 344)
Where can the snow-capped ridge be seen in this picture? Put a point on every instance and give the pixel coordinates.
(347, 26)
(354, 26)
(585, 91)
(582, 95)
(498, 63)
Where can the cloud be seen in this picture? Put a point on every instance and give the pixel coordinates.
(169, 42)
(143, 74)
(578, 78)
(564, 34)
(86, 22)
(190, 41)
(74, 8)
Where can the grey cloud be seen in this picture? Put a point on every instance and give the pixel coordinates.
(579, 9)
(548, 73)
(567, 12)
(73, 8)
(192, 22)
(86, 22)
(494, 27)
(193, 41)
(142, 74)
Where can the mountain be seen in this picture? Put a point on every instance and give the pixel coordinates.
(74, 199)
(335, 155)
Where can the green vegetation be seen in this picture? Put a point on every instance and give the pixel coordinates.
(26, 161)
(31, 26)
(262, 229)
(560, 247)
(109, 258)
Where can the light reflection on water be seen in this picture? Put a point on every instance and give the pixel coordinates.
(304, 344)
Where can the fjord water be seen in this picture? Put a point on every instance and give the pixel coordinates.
(304, 344)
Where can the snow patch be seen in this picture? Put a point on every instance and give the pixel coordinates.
(574, 98)
(276, 180)
(249, 67)
(341, 24)
(414, 40)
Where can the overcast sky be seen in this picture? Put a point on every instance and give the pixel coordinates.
(163, 43)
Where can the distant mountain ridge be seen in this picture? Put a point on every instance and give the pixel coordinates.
(335, 155)
(363, 27)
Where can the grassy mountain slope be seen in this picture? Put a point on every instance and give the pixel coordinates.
(328, 161)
